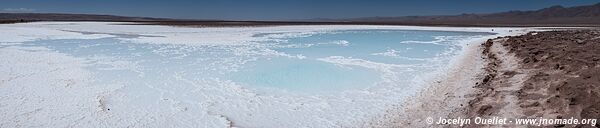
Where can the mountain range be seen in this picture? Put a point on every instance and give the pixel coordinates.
(552, 16)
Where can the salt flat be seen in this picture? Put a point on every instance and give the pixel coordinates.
(84, 74)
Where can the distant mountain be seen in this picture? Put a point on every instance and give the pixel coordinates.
(554, 12)
(552, 16)
(70, 17)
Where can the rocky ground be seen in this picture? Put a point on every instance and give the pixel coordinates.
(552, 74)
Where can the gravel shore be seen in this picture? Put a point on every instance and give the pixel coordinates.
(552, 74)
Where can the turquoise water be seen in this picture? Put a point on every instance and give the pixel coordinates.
(414, 53)
(304, 75)
(322, 62)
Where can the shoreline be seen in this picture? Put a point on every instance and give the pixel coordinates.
(448, 92)
(551, 75)
(236, 24)
(513, 76)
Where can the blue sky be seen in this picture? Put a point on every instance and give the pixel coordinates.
(278, 9)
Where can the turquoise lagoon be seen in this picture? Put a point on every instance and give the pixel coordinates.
(322, 62)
